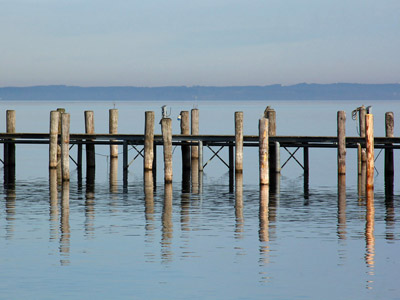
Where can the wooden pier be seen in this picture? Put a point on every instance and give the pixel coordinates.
(268, 142)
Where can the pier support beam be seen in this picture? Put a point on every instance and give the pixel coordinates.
(341, 134)
(274, 148)
(239, 142)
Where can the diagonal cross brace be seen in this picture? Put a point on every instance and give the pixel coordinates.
(216, 155)
(292, 156)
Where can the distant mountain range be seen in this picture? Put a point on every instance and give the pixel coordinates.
(337, 91)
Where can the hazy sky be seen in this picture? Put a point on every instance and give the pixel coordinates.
(191, 42)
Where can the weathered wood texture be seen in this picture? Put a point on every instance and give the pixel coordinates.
(341, 133)
(65, 125)
(263, 151)
(149, 140)
(239, 142)
(166, 128)
(369, 126)
(195, 130)
(53, 139)
(113, 129)
(9, 147)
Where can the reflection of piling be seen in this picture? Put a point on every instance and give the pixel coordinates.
(113, 129)
(263, 232)
(239, 142)
(389, 165)
(10, 210)
(64, 226)
(65, 124)
(341, 227)
(167, 225)
(370, 150)
(239, 205)
(149, 148)
(369, 232)
(263, 151)
(166, 128)
(53, 187)
(341, 135)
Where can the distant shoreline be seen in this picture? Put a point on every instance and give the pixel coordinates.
(336, 91)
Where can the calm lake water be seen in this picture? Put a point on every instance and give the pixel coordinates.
(108, 241)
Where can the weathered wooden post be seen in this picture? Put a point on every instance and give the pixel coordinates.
(149, 141)
(9, 147)
(389, 130)
(166, 128)
(113, 129)
(195, 130)
(89, 129)
(341, 133)
(65, 124)
(274, 148)
(53, 143)
(369, 126)
(185, 129)
(239, 142)
(389, 163)
(61, 111)
(263, 151)
(362, 113)
(200, 156)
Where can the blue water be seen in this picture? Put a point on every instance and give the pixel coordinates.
(134, 242)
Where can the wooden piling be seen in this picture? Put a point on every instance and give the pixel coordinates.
(89, 129)
(200, 156)
(9, 147)
(369, 126)
(53, 143)
(362, 113)
(341, 133)
(185, 148)
(231, 167)
(195, 130)
(166, 128)
(113, 129)
(389, 131)
(61, 111)
(263, 151)
(239, 142)
(274, 148)
(65, 124)
(149, 141)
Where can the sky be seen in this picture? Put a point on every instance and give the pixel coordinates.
(181, 42)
